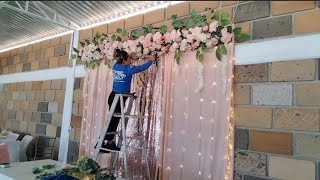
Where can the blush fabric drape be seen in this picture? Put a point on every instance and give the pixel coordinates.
(186, 132)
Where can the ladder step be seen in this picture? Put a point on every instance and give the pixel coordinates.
(120, 151)
(129, 116)
(134, 137)
(126, 95)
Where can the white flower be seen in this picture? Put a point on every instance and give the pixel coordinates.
(213, 26)
(203, 37)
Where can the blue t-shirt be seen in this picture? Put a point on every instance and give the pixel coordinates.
(122, 75)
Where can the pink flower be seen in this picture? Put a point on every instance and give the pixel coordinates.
(174, 46)
(156, 46)
(203, 37)
(147, 41)
(164, 49)
(176, 35)
(138, 49)
(190, 38)
(205, 28)
(212, 42)
(115, 44)
(167, 37)
(195, 45)
(146, 51)
(226, 37)
(213, 26)
(196, 32)
(141, 39)
(120, 45)
(184, 45)
(157, 37)
(184, 32)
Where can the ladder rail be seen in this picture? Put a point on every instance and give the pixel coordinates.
(105, 128)
(124, 136)
(122, 141)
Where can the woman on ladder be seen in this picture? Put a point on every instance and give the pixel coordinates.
(122, 76)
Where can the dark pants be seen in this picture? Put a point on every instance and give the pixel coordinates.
(114, 120)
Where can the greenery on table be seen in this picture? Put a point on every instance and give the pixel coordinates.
(83, 165)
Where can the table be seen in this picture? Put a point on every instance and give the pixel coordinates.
(23, 170)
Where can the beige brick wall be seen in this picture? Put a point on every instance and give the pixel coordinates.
(42, 55)
(288, 135)
(33, 107)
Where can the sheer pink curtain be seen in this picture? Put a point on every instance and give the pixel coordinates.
(97, 86)
(195, 125)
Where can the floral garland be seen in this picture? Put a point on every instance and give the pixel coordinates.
(192, 33)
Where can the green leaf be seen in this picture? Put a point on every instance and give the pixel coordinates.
(98, 35)
(229, 29)
(189, 23)
(242, 37)
(119, 30)
(205, 49)
(103, 38)
(237, 30)
(216, 16)
(225, 18)
(201, 56)
(222, 50)
(108, 63)
(48, 166)
(87, 41)
(119, 38)
(193, 14)
(135, 34)
(113, 37)
(73, 56)
(147, 29)
(173, 17)
(177, 56)
(197, 54)
(163, 29)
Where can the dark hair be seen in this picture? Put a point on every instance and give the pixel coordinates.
(120, 55)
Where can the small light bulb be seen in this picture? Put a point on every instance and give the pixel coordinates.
(201, 117)
(214, 83)
(201, 100)
(213, 102)
(199, 172)
(181, 166)
(199, 154)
